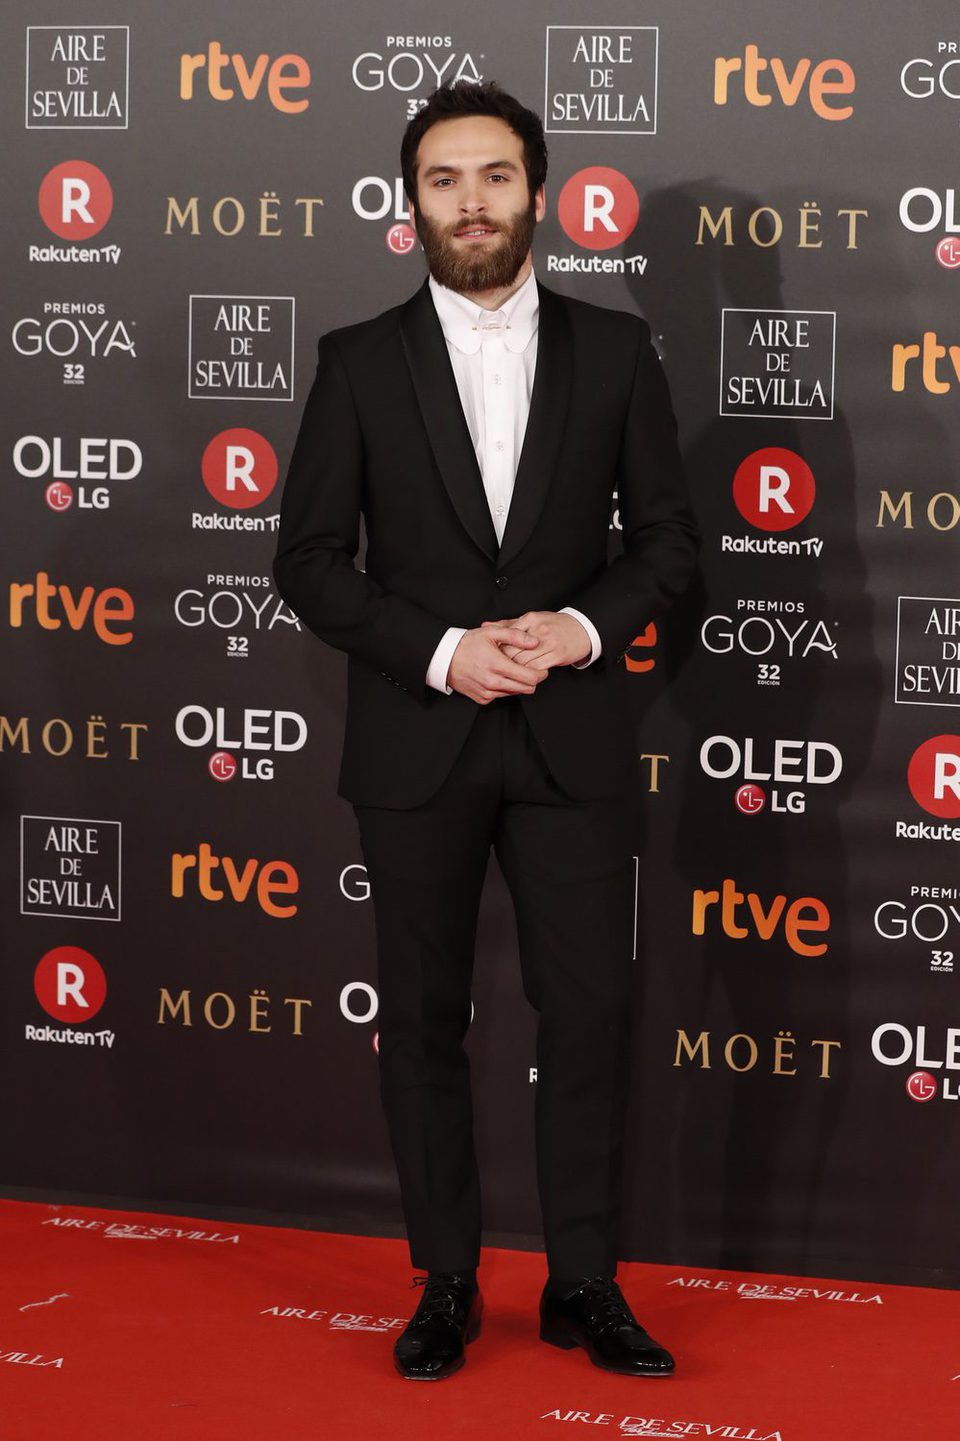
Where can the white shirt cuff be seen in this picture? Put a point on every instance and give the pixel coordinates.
(442, 656)
(592, 632)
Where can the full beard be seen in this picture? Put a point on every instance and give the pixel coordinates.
(490, 266)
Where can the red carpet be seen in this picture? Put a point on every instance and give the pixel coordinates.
(129, 1326)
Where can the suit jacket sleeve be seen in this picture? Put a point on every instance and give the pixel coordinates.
(660, 536)
(319, 538)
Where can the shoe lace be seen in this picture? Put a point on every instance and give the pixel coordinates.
(445, 1296)
(605, 1303)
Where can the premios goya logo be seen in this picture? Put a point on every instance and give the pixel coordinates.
(775, 634)
(239, 606)
(78, 334)
(928, 920)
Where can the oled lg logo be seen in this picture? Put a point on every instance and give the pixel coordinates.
(598, 209)
(247, 744)
(74, 473)
(933, 776)
(774, 490)
(239, 470)
(75, 202)
(71, 986)
(923, 210)
(894, 1044)
(788, 764)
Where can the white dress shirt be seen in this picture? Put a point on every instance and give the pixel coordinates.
(494, 357)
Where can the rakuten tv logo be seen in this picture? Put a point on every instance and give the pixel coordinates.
(75, 200)
(598, 208)
(934, 776)
(755, 920)
(239, 468)
(774, 489)
(70, 984)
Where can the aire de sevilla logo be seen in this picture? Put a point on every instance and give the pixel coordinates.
(75, 200)
(239, 468)
(70, 984)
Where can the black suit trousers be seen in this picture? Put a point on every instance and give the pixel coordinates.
(571, 874)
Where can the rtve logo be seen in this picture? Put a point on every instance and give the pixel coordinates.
(108, 608)
(787, 86)
(805, 914)
(239, 468)
(286, 72)
(598, 208)
(774, 489)
(272, 878)
(70, 984)
(75, 200)
(933, 776)
(929, 353)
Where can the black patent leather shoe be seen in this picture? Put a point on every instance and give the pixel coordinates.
(598, 1318)
(448, 1317)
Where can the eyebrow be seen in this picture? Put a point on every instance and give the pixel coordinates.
(456, 169)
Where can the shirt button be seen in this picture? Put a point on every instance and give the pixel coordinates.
(499, 445)
(496, 380)
(500, 509)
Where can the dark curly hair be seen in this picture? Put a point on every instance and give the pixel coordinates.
(467, 97)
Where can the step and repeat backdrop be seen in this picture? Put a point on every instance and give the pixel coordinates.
(195, 194)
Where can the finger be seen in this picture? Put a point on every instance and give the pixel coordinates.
(513, 670)
(510, 635)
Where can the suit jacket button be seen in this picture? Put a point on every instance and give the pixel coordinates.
(501, 582)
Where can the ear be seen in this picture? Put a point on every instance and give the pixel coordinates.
(540, 203)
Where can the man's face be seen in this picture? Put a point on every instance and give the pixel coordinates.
(474, 214)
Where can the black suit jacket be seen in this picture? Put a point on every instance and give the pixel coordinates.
(383, 434)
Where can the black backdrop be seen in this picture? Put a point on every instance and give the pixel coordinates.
(189, 1015)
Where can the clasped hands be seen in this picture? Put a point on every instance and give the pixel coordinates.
(513, 657)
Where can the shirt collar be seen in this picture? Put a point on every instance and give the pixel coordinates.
(460, 316)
